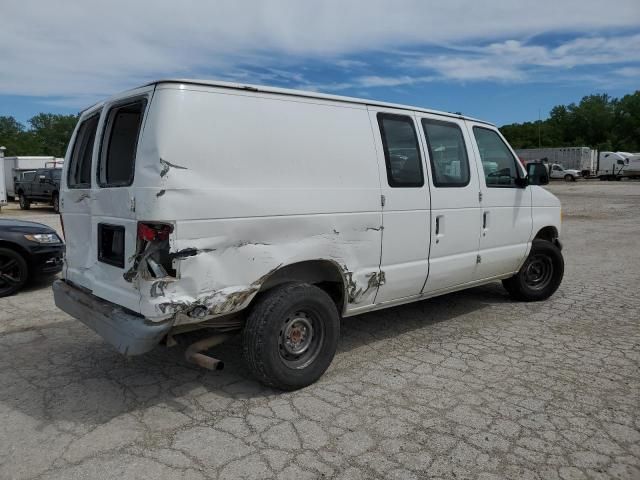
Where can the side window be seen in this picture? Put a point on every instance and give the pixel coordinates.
(447, 153)
(498, 163)
(79, 173)
(401, 152)
(29, 176)
(119, 144)
(55, 174)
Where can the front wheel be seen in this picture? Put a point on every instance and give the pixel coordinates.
(291, 335)
(541, 274)
(25, 203)
(569, 178)
(13, 272)
(56, 203)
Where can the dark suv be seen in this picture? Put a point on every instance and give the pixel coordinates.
(41, 185)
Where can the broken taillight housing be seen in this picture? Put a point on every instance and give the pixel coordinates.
(150, 232)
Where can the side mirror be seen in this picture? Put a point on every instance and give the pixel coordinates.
(537, 174)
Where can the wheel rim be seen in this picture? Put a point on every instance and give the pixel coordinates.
(10, 273)
(538, 272)
(300, 339)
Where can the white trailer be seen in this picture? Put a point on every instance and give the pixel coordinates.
(583, 159)
(3, 190)
(14, 165)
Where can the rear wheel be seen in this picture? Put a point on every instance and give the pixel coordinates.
(291, 335)
(541, 274)
(13, 272)
(25, 203)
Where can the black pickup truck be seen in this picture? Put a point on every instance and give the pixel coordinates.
(40, 185)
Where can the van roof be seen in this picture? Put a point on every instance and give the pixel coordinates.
(304, 93)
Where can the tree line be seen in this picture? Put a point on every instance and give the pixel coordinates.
(48, 134)
(598, 121)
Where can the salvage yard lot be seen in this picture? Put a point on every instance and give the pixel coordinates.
(471, 384)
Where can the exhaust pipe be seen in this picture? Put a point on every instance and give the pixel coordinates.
(193, 353)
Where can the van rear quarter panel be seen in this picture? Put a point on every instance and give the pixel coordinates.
(252, 182)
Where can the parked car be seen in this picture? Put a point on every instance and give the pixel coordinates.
(40, 185)
(569, 175)
(28, 250)
(275, 212)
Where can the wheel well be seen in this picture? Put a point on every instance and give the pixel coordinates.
(324, 274)
(547, 233)
(17, 248)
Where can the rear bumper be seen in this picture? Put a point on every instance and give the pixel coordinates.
(129, 334)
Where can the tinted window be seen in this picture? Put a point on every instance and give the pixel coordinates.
(447, 153)
(118, 155)
(79, 174)
(499, 165)
(401, 152)
(28, 176)
(55, 174)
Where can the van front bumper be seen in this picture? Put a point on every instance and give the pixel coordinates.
(130, 334)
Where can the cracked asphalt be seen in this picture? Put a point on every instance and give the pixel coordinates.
(469, 385)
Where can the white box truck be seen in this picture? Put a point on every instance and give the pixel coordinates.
(13, 166)
(273, 212)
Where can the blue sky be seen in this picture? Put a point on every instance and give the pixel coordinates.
(500, 61)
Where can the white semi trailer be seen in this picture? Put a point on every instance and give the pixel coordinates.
(14, 165)
(583, 159)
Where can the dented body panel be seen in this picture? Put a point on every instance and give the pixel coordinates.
(233, 188)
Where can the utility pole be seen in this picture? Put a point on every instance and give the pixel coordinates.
(539, 128)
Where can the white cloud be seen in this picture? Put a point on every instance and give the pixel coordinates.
(513, 60)
(91, 48)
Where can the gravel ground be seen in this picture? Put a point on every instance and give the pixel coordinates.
(469, 385)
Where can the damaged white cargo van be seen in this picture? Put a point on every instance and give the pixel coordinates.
(196, 204)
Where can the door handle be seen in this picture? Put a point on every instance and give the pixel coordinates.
(439, 227)
(485, 223)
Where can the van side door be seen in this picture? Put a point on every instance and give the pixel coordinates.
(405, 204)
(506, 206)
(455, 204)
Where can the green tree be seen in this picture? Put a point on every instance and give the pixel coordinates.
(52, 132)
(598, 121)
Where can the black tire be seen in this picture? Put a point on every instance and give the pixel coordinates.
(569, 178)
(25, 203)
(56, 203)
(540, 276)
(292, 309)
(14, 272)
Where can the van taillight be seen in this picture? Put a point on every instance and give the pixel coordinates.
(150, 232)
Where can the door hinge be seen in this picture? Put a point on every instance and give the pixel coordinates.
(479, 196)
(383, 200)
(478, 259)
(132, 205)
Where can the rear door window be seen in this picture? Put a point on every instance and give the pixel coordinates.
(79, 174)
(401, 152)
(119, 144)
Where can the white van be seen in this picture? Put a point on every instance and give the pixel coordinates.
(197, 204)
